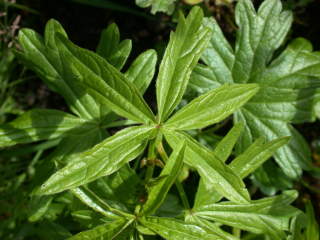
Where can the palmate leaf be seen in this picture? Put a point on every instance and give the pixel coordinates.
(42, 124)
(41, 56)
(182, 53)
(270, 216)
(103, 81)
(103, 159)
(166, 6)
(287, 83)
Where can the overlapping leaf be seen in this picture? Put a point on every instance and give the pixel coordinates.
(287, 83)
(213, 170)
(172, 229)
(270, 216)
(182, 53)
(170, 172)
(106, 231)
(41, 124)
(103, 81)
(103, 159)
(41, 56)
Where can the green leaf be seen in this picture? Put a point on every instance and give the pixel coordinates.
(122, 186)
(103, 159)
(212, 107)
(243, 165)
(39, 206)
(111, 49)
(103, 81)
(41, 124)
(288, 81)
(270, 216)
(259, 35)
(224, 148)
(158, 192)
(142, 70)
(214, 172)
(172, 229)
(89, 198)
(222, 151)
(210, 227)
(166, 6)
(105, 231)
(256, 155)
(41, 56)
(312, 231)
(181, 55)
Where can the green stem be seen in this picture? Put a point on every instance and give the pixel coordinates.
(178, 184)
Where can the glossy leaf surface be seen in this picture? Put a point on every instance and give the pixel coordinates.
(103, 81)
(103, 159)
(182, 53)
(212, 107)
(211, 169)
(41, 124)
(287, 81)
(170, 172)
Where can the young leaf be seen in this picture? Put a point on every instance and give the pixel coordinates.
(111, 49)
(41, 124)
(172, 229)
(103, 81)
(270, 216)
(142, 70)
(171, 171)
(181, 55)
(105, 231)
(287, 84)
(103, 159)
(211, 169)
(166, 6)
(212, 107)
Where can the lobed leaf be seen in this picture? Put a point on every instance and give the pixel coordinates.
(103, 81)
(181, 55)
(41, 56)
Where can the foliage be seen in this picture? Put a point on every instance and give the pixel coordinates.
(287, 78)
(118, 170)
